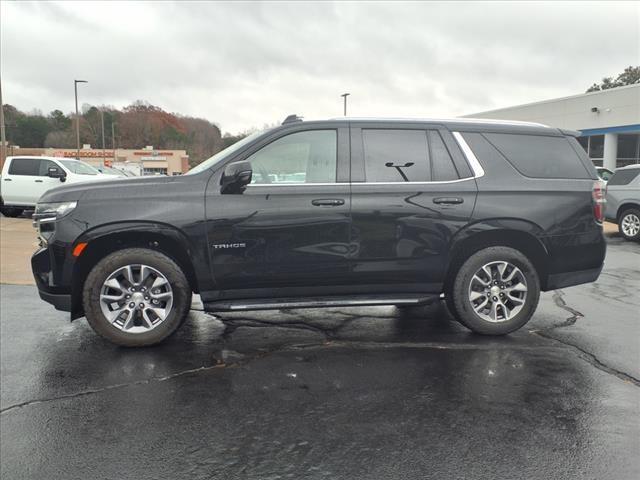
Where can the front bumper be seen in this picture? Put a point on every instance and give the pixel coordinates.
(61, 301)
(49, 291)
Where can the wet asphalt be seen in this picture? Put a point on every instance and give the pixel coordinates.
(355, 393)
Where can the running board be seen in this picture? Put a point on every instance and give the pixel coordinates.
(318, 302)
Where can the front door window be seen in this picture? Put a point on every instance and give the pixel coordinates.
(302, 157)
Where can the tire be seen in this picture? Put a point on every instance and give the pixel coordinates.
(12, 212)
(138, 327)
(629, 224)
(517, 306)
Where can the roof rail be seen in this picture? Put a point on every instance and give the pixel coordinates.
(292, 119)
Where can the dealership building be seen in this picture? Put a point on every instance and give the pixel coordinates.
(608, 121)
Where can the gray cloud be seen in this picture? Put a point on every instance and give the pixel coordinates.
(244, 64)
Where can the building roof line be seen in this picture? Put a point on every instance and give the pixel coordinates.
(553, 100)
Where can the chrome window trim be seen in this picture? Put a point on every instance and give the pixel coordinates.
(437, 182)
(478, 171)
(295, 184)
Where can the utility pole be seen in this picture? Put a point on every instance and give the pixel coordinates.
(345, 95)
(75, 88)
(3, 138)
(104, 152)
(113, 138)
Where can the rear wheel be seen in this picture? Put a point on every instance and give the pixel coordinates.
(136, 297)
(495, 291)
(629, 224)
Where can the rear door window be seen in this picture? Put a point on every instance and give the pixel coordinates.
(624, 177)
(25, 166)
(396, 155)
(539, 156)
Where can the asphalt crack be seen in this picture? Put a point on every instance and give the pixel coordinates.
(589, 357)
(110, 387)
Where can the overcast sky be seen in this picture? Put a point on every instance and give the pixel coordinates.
(242, 65)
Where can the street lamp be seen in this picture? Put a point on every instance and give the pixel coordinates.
(345, 95)
(75, 87)
(104, 154)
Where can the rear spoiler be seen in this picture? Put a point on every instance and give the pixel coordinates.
(570, 133)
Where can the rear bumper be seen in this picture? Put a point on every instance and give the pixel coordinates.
(569, 279)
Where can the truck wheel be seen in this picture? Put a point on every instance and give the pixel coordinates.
(136, 297)
(11, 212)
(629, 224)
(495, 291)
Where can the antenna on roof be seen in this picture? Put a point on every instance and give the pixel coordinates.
(292, 119)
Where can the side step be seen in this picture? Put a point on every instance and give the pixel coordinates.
(319, 302)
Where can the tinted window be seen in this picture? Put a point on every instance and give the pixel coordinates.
(25, 166)
(442, 167)
(303, 157)
(624, 177)
(539, 156)
(45, 165)
(396, 155)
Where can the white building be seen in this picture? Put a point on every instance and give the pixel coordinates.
(609, 121)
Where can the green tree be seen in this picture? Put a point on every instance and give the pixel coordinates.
(30, 131)
(630, 76)
(59, 121)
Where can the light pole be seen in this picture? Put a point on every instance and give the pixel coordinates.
(104, 152)
(113, 138)
(75, 88)
(344, 96)
(3, 138)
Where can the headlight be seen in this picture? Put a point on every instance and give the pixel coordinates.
(53, 211)
(45, 216)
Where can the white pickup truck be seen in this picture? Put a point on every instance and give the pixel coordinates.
(24, 179)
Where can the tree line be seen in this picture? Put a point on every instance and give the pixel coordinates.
(630, 76)
(135, 126)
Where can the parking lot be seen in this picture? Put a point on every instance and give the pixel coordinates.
(325, 393)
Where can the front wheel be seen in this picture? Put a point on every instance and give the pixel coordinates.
(495, 291)
(136, 297)
(629, 224)
(11, 212)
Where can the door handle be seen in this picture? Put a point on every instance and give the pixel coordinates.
(448, 200)
(38, 181)
(327, 202)
(7, 179)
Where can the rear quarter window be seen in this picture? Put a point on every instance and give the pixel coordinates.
(539, 156)
(624, 177)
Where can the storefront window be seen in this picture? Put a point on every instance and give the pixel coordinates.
(584, 142)
(596, 146)
(628, 149)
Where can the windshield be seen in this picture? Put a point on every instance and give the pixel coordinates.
(210, 162)
(81, 168)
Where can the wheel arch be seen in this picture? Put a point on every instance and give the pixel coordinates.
(108, 239)
(625, 205)
(520, 235)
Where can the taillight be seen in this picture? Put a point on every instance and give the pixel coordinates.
(598, 196)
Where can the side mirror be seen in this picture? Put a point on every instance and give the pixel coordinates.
(55, 172)
(236, 177)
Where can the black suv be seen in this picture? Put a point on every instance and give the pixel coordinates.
(325, 213)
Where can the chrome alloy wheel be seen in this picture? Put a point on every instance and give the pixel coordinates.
(498, 291)
(630, 225)
(136, 298)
